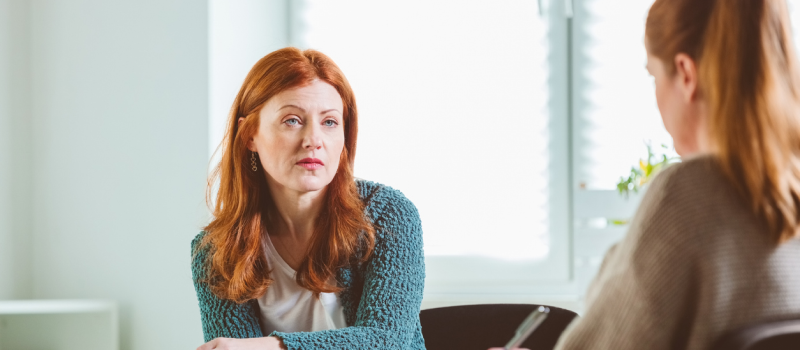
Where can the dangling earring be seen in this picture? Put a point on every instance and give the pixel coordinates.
(253, 161)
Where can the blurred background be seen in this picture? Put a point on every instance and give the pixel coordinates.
(511, 124)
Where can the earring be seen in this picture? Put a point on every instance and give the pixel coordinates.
(253, 161)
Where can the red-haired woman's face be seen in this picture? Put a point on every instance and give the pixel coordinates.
(300, 137)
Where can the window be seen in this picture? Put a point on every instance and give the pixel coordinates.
(456, 110)
(794, 13)
(615, 117)
(615, 106)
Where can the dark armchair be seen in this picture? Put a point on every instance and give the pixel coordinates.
(480, 327)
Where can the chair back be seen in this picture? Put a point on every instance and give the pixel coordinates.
(778, 335)
(479, 327)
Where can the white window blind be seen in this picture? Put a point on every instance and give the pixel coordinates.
(614, 116)
(794, 13)
(615, 107)
(456, 111)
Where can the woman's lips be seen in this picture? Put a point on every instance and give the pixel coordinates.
(310, 163)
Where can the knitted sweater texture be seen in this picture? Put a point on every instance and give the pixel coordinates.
(381, 297)
(695, 264)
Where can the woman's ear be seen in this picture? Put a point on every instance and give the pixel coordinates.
(686, 76)
(250, 145)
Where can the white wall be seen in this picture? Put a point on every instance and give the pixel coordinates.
(114, 139)
(104, 144)
(240, 33)
(15, 151)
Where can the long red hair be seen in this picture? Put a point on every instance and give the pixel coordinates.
(237, 268)
(749, 75)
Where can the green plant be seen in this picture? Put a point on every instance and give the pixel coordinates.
(645, 172)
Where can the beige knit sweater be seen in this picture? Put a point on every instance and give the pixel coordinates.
(695, 264)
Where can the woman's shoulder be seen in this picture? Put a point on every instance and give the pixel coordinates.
(692, 170)
(691, 202)
(386, 205)
(197, 239)
(375, 194)
(199, 255)
(398, 228)
(368, 190)
(692, 183)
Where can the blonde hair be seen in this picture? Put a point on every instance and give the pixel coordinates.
(748, 74)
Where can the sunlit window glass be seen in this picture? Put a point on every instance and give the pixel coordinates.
(452, 99)
(616, 114)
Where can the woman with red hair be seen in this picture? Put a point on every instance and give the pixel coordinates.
(299, 253)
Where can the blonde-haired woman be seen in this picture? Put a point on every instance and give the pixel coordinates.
(714, 244)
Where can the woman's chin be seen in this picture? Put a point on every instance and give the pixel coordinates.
(310, 184)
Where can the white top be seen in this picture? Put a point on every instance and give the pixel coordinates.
(288, 307)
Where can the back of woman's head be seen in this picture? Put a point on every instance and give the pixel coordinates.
(748, 76)
(237, 269)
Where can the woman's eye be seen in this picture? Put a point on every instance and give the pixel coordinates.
(292, 122)
(330, 122)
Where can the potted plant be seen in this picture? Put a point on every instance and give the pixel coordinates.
(646, 171)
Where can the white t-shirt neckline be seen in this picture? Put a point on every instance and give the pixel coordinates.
(288, 307)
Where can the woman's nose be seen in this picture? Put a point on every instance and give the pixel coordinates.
(312, 139)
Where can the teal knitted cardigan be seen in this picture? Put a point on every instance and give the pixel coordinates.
(381, 297)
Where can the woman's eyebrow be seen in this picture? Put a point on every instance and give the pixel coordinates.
(291, 106)
(303, 110)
